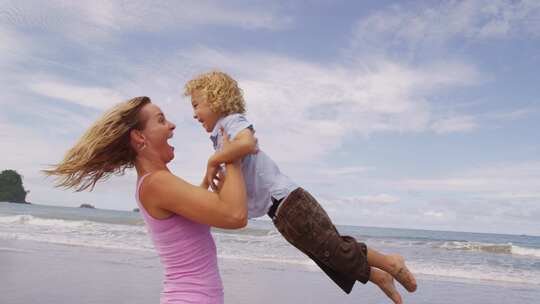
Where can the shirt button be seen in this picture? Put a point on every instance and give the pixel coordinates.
(326, 253)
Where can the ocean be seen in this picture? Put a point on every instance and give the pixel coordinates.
(496, 260)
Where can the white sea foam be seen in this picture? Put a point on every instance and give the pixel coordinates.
(37, 221)
(508, 248)
(30, 220)
(309, 264)
(107, 243)
(477, 272)
(260, 246)
(74, 233)
(9, 249)
(478, 246)
(531, 252)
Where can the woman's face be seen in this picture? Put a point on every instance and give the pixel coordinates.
(157, 131)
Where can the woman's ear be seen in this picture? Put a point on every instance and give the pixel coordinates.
(136, 138)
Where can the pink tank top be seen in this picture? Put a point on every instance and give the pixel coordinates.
(188, 254)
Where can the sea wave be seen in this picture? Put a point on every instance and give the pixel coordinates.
(446, 271)
(309, 264)
(26, 219)
(30, 220)
(18, 250)
(74, 232)
(477, 272)
(508, 248)
(267, 246)
(532, 252)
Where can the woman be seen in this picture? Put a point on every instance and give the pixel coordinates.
(178, 215)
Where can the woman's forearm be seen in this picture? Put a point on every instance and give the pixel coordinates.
(233, 192)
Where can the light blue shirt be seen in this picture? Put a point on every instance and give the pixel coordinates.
(261, 174)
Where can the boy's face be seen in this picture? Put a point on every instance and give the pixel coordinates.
(202, 111)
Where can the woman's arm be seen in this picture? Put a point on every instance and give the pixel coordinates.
(164, 193)
(227, 209)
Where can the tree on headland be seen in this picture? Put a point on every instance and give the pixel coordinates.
(11, 187)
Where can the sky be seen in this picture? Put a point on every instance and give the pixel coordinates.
(405, 114)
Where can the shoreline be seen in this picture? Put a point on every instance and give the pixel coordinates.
(266, 220)
(57, 273)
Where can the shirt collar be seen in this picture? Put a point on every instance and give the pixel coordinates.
(217, 126)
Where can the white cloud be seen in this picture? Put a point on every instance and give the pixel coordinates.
(93, 97)
(317, 106)
(520, 179)
(13, 47)
(512, 115)
(454, 124)
(340, 171)
(381, 198)
(377, 199)
(143, 14)
(24, 149)
(435, 214)
(411, 27)
(10, 42)
(303, 110)
(512, 196)
(464, 123)
(101, 19)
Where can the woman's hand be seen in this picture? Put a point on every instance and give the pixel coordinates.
(204, 183)
(213, 174)
(220, 180)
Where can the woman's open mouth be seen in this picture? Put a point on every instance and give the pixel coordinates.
(169, 137)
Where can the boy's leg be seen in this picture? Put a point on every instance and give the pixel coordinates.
(305, 224)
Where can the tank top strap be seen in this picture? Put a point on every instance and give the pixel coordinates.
(139, 183)
(140, 180)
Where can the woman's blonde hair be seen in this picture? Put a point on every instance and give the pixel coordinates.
(105, 149)
(221, 91)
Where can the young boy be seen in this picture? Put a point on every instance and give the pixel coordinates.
(219, 106)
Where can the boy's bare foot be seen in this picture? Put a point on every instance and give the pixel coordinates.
(386, 283)
(401, 273)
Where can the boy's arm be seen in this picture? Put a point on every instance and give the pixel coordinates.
(244, 143)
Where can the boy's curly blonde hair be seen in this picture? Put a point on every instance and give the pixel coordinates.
(221, 91)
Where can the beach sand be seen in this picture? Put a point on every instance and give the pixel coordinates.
(34, 272)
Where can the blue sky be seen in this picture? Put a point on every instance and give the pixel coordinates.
(414, 114)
